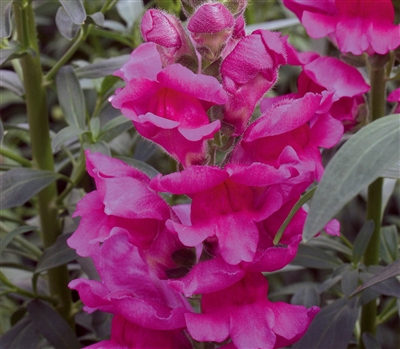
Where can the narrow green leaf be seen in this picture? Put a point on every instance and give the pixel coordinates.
(65, 26)
(307, 196)
(58, 254)
(312, 257)
(52, 326)
(370, 342)
(332, 328)
(278, 24)
(362, 240)
(101, 67)
(11, 81)
(349, 281)
(20, 184)
(393, 171)
(130, 11)
(66, 134)
(329, 242)
(19, 335)
(75, 10)
(361, 160)
(140, 165)
(1, 131)
(12, 234)
(307, 296)
(5, 18)
(386, 273)
(144, 149)
(116, 123)
(70, 96)
(97, 18)
(389, 241)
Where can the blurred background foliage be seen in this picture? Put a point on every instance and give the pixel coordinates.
(325, 270)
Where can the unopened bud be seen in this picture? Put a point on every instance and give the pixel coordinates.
(211, 26)
(167, 32)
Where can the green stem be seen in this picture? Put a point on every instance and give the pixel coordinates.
(374, 203)
(36, 104)
(11, 155)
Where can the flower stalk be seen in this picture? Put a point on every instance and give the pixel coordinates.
(42, 156)
(374, 204)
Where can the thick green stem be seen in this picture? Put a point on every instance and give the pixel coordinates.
(374, 203)
(42, 156)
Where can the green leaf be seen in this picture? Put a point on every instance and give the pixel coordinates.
(12, 234)
(361, 160)
(52, 326)
(20, 184)
(1, 131)
(389, 241)
(5, 18)
(130, 11)
(19, 335)
(362, 240)
(386, 273)
(312, 257)
(70, 96)
(65, 26)
(101, 67)
(13, 50)
(140, 165)
(96, 18)
(349, 281)
(66, 134)
(278, 24)
(393, 171)
(370, 342)
(329, 242)
(307, 296)
(332, 328)
(114, 123)
(11, 81)
(75, 10)
(57, 254)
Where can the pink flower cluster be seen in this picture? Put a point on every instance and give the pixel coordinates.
(174, 274)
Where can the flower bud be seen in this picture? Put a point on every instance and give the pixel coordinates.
(211, 26)
(236, 7)
(167, 32)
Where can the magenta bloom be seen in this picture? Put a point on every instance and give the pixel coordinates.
(129, 289)
(225, 204)
(394, 97)
(243, 313)
(327, 75)
(290, 131)
(356, 26)
(248, 72)
(127, 335)
(169, 106)
(122, 204)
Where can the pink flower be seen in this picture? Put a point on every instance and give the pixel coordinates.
(329, 75)
(226, 204)
(248, 72)
(167, 32)
(290, 132)
(356, 26)
(394, 97)
(169, 106)
(129, 289)
(243, 313)
(127, 335)
(122, 204)
(211, 27)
